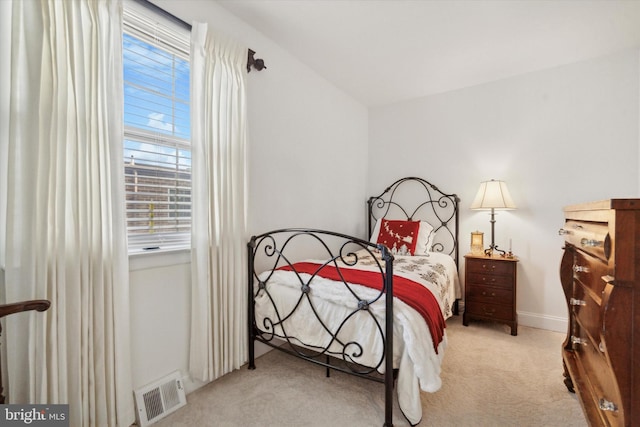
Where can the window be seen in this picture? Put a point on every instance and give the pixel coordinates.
(157, 149)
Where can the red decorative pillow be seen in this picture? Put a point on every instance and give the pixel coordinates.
(399, 236)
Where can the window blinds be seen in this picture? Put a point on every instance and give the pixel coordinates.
(157, 148)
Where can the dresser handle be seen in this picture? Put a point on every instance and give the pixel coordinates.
(489, 312)
(562, 232)
(484, 266)
(484, 293)
(590, 243)
(606, 405)
(578, 340)
(580, 269)
(574, 301)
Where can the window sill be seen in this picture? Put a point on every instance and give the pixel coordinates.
(144, 260)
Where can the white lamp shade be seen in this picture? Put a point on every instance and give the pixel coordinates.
(493, 195)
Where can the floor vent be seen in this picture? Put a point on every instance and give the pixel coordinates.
(157, 400)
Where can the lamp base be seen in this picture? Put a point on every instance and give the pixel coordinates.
(494, 248)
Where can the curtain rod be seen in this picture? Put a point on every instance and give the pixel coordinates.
(256, 63)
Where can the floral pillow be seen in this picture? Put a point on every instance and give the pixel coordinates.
(403, 237)
(425, 237)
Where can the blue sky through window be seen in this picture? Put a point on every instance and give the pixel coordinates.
(156, 100)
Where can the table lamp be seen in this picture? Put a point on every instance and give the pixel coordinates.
(493, 195)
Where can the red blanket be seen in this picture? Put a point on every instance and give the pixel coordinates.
(411, 293)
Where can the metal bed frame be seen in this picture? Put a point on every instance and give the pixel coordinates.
(416, 199)
(282, 248)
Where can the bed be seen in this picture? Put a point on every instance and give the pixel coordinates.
(323, 296)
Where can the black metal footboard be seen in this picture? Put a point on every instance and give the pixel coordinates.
(285, 299)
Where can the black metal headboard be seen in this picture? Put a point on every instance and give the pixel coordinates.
(416, 199)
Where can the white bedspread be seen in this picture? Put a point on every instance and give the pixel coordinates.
(413, 349)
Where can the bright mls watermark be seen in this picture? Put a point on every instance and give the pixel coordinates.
(34, 415)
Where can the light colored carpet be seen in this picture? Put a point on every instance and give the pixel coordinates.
(490, 378)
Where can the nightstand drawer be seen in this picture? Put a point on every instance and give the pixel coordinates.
(487, 294)
(490, 280)
(490, 266)
(490, 311)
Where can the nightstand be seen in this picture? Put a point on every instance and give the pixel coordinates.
(490, 290)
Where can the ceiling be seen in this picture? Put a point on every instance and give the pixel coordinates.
(385, 51)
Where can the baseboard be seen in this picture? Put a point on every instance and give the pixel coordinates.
(542, 321)
(191, 385)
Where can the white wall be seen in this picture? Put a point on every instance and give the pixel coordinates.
(307, 156)
(160, 307)
(557, 137)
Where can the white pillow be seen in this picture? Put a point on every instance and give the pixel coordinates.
(425, 237)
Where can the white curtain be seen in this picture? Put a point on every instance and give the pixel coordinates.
(218, 341)
(65, 226)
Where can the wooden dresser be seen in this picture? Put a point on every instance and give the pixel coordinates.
(600, 276)
(490, 290)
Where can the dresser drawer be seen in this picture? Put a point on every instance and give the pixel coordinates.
(488, 266)
(489, 311)
(591, 237)
(490, 280)
(485, 294)
(587, 312)
(589, 271)
(603, 386)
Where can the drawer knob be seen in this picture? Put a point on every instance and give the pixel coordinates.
(562, 232)
(578, 340)
(590, 243)
(580, 269)
(601, 347)
(607, 405)
(484, 293)
(574, 301)
(490, 312)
